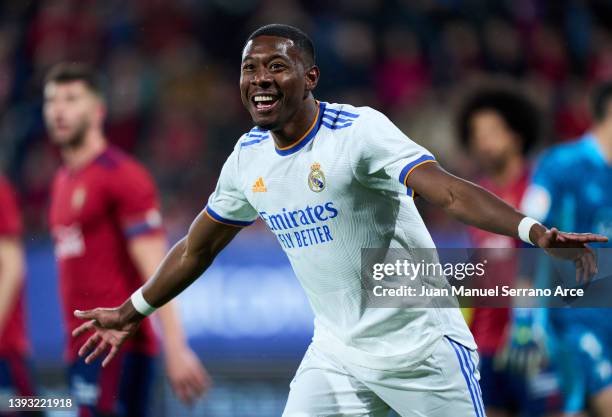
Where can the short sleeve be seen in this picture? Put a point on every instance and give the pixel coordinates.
(10, 218)
(383, 157)
(228, 204)
(136, 201)
(542, 190)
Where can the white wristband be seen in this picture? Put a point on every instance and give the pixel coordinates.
(524, 228)
(140, 304)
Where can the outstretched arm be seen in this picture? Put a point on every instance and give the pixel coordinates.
(186, 374)
(185, 262)
(188, 259)
(475, 206)
(466, 201)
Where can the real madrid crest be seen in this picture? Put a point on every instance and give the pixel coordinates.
(316, 178)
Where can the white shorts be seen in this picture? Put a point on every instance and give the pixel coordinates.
(443, 385)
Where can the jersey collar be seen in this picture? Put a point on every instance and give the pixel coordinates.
(104, 157)
(307, 137)
(595, 151)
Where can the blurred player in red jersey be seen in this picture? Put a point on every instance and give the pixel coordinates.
(498, 127)
(14, 346)
(108, 235)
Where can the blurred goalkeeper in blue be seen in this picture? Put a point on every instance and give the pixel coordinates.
(571, 188)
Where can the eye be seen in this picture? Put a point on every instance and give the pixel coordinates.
(277, 66)
(248, 67)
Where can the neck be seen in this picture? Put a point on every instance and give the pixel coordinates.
(295, 130)
(79, 156)
(603, 136)
(511, 172)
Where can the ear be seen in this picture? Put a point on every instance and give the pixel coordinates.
(312, 78)
(101, 111)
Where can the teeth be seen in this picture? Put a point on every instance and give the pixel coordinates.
(263, 98)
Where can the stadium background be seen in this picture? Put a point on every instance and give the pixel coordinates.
(171, 71)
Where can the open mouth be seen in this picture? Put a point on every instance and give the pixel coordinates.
(265, 102)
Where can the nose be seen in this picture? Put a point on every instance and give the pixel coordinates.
(57, 114)
(262, 78)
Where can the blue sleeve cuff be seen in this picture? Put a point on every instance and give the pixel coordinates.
(411, 166)
(214, 216)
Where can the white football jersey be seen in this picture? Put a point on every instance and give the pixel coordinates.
(339, 189)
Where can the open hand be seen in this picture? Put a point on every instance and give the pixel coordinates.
(187, 376)
(110, 332)
(572, 246)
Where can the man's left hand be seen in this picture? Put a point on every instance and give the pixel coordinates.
(573, 247)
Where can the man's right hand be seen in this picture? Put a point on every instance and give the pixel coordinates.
(112, 327)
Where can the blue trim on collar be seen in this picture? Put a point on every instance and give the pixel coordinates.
(307, 139)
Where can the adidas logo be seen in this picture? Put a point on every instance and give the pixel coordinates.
(259, 186)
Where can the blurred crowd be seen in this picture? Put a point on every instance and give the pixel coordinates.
(171, 70)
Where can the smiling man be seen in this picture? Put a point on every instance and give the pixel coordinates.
(329, 180)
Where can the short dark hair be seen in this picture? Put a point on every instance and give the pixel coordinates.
(66, 72)
(519, 113)
(299, 38)
(601, 101)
